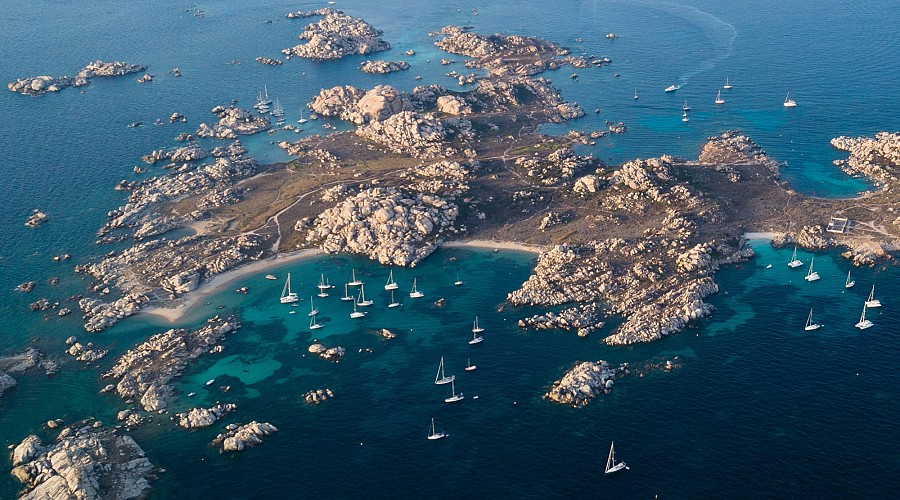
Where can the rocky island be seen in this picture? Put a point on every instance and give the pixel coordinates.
(37, 85)
(334, 36)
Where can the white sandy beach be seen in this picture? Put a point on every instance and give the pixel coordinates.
(760, 236)
(504, 245)
(178, 309)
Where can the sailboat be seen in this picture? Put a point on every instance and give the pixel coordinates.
(872, 301)
(684, 117)
(287, 296)
(719, 99)
(354, 281)
(475, 327)
(361, 300)
(454, 396)
(611, 465)
(302, 120)
(393, 303)
(322, 287)
(863, 322)
(278, 113)
(435, 435)
(440, 378)
(727, 85)
(849, 283)
(476, 339)
(458, 281)
(346, 294)
(469, 366)
(685, 107)
(356, 314)
(809, 323)
(795, 262)
(391, 284)
(811, 275)
(313, 310)
(415, 294)
(635, 94)
(788, 102)
(313, 324)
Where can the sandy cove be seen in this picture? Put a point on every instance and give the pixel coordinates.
(174, 311)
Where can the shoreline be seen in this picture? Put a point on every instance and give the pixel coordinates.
(181, 306)
(769, 236)
(504, 245)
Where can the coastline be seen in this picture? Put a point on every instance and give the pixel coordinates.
(181, 306)
(505, 245)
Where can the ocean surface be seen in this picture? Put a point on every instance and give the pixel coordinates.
(759, 408)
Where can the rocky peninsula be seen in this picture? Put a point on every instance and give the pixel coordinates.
(144, 373)
(37, 85)
(86, 461)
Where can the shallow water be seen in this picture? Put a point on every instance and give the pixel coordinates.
(760, 405)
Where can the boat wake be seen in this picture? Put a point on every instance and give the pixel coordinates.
(720, 33)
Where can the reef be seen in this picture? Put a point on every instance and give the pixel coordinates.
(37, 85)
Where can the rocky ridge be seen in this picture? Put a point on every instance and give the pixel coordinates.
(239, 437)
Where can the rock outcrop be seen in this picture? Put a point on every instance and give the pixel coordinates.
(317, 396)
(386, 225)
(327, 353)
(84, 462)
(238, 437)
(875, 157)
(196, 418)
(232, 123)
(37, 85)
(37, 218)
(337, 35)
(144, 372)
(582, 383)
(383, 67)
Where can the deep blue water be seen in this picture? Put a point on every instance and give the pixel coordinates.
(760, 407)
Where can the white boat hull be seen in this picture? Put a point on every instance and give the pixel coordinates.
(477, 330)
(615, 468)
(812, 327)
(812, 277)
(850, 284)
(873, 303)
(445, 380)
(453, 399)
(416, 295)
(357, 315)
(862, 325)
(392, 286)
(394, 304)
(347, 299)
(365, 303)
(290, 298)
(323, 295)
(795, 264)
(316, 326)
(439, 435)
(476, 340)
(471, 368)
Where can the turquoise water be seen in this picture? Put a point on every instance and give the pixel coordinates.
(760, 406)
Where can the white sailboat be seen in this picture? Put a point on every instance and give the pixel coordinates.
(611, 465)
(849, 283)
(361, 300)
(685, 106)
(863, 322)
(476, 339)
(391, 284)
(313, 310)
(313, 324)
(323, 286)
(458, 281)
(354, 281)
(795, 262)
(415, 293)
(872, 301)
(475, 327)
(278, 113)
(719, 99)
(809, 323)
(635, 94)
(727, 85)
(356, 314)
(393, 303)
(346, 296)
(287, 296)
(469, 366)
(684, 117)
(440, 378)
(434, 434)
(302, 120)
(811, 275)
(454, 396)
(788, 102)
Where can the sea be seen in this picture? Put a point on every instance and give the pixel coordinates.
(758, 407)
